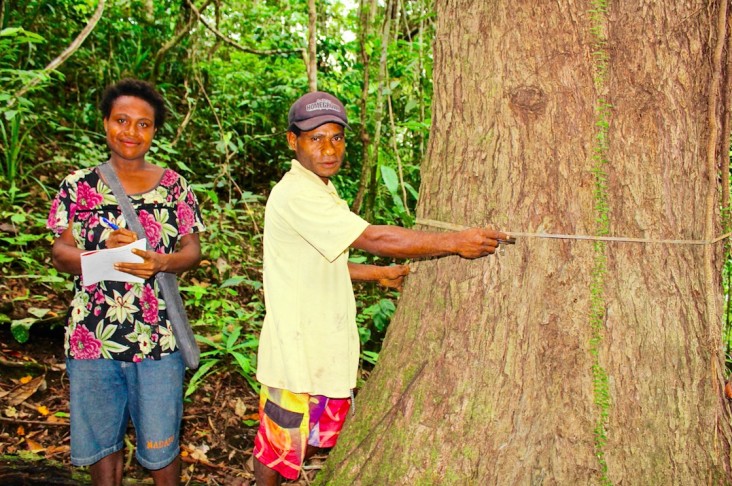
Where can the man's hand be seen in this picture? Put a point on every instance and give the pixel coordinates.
(393, 277)
(390, 277)
(477, 242)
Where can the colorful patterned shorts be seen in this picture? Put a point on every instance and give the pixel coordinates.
(288, 422)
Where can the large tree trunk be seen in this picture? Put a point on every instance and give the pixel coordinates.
(563, 361)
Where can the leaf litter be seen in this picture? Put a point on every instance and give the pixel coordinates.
(217, 436)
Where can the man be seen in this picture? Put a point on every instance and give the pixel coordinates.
(309, 346)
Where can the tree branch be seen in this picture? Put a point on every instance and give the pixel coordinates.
(312, 54)
(2, 13)
(68, 52)
(236, 45)
(174, 41)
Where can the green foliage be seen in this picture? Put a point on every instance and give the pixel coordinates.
(24, 258)
(224, 295)
(228, 346)
(376, 310)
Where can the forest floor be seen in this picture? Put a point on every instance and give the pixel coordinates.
(216, 443)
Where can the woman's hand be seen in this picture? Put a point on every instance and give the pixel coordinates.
(186, 258)
(120, 237)
(153, 263)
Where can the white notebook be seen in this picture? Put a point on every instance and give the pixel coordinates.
(98, 265)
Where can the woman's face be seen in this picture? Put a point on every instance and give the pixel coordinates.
(130, 128)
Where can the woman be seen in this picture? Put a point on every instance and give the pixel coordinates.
(121, 354)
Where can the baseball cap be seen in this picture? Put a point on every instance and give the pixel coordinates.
(315, 109)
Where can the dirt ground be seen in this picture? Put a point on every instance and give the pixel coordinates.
(216, 443)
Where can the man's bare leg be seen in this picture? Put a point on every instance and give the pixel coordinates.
(310, 451)
(265, 476)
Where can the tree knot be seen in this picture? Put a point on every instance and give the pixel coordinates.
(528, 100)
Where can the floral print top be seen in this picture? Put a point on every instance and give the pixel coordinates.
(121, 320)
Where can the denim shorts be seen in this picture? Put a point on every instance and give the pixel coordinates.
(106, 393)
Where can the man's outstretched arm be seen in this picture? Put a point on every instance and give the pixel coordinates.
(398, 242)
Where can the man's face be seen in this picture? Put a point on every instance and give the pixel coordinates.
(321, 150)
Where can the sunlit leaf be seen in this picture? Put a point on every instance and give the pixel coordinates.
(20, 328)
(391, 181)
(39, 313)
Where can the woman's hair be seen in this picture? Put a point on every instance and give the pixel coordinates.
(138, 89)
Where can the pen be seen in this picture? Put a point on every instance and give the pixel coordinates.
(109, 223)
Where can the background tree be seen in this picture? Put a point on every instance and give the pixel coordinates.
(563, 361)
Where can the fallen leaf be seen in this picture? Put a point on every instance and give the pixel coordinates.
(54, 419)
(43, 410)
(52, 450)
(199, 452)
(240, 408)
(58, 366)
(21, 393)
(8, 228)
(20, 431)
(34, 446)
(11, 412)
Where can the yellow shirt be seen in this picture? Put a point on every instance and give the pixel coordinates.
(309, 341)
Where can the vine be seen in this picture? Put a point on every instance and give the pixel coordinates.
(601, 388)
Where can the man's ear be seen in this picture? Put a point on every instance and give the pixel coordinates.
(291, 140)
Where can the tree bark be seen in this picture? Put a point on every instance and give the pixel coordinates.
(563, 361)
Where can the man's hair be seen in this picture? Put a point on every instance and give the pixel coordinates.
(293, 128)
(139, 89)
